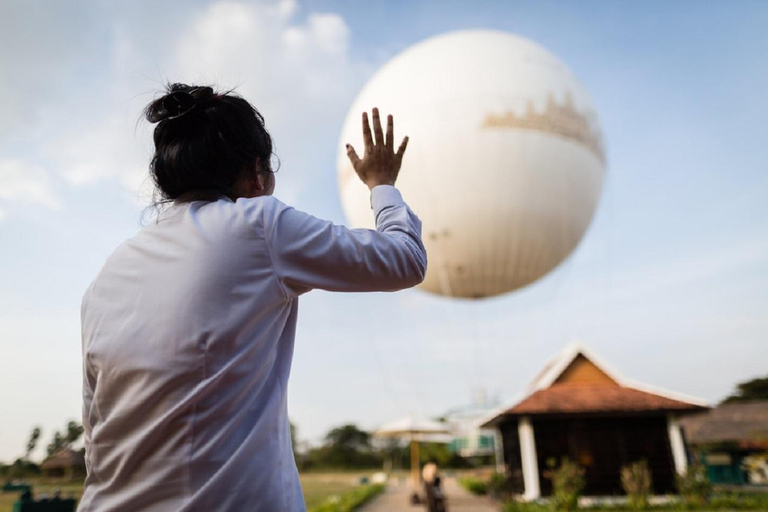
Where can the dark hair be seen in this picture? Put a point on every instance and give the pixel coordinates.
(204, 140)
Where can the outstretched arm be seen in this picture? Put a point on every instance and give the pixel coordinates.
(310, 253)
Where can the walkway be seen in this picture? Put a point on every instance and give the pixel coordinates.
(395, 499)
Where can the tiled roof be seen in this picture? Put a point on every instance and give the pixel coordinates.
(64, 458)
(584, 398)
(745, 423)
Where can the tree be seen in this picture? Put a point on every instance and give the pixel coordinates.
(294, 431)
(348, 438)
(21, 468)
(755, 389)
(56, 444)
(74, 431)
(66, 439)
(34, 437)
(295, 444)
(344, 447)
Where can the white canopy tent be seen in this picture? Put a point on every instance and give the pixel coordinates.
(415, 430)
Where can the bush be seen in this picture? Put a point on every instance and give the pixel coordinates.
(636, 482)
(694, 486)
(518, 506)
(499, 486)
(738, 501)
(474, 485)
(567, 484)
(720, 502)
(350, 500)
(20, 468)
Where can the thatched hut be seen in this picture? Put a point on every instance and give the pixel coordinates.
(64, 463)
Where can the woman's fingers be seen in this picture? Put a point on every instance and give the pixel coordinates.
(401, 149)
(378, 134)
(367, 139)
(377, 137)
(352, 154)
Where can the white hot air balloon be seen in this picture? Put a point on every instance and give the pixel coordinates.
(505, 163)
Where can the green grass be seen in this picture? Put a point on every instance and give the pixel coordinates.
(318, 487)
(350, 500)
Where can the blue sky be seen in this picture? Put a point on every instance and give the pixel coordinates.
(670, 284)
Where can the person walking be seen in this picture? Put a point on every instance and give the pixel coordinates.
(188, 328)
(433, 490)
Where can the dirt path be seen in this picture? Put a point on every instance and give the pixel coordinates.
(395, 499)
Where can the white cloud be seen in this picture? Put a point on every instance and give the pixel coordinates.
(289, 70)
(38, 53)
(26, 183)
(109, 148)
(277, 64)
(286, 8)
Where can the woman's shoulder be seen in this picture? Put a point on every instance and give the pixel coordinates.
(261, 208)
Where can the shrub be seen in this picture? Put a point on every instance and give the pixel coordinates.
(567, 484)
(518, 506)
(636, 482)
(21, 468)
(499, 486)
(474, 485)
(738, 501)
(694, 486)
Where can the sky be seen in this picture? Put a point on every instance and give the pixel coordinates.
(669, 284)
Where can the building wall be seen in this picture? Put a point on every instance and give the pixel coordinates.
(602, 445)
(583, 371)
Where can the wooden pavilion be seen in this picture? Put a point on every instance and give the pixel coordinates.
(726, 438)
(578, 408)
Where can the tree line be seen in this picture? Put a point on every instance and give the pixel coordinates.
(24, 466)
(349, 447)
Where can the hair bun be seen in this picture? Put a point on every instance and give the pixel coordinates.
(180, 99)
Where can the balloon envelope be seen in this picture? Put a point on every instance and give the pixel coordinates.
(505, 162)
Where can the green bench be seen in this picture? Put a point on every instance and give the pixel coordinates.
(16, 487)
(45, 505)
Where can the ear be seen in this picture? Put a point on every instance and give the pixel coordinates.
(259, 181)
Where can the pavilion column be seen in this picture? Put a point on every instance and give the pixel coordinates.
(528, 458)
(499, 449)
(677, 445)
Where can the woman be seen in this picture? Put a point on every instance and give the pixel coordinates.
(188, 329)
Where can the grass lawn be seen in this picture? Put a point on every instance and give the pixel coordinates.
(317, 487)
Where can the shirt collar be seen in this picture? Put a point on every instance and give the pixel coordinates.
(203, 195)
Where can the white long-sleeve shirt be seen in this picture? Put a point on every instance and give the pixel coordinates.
(188, 334)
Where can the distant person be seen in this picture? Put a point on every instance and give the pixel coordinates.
(188, 329)
(430, 474)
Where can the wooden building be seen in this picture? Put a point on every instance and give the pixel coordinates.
(578, 408)
(731, 440)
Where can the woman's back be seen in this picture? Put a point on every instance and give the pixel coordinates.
(189, 344)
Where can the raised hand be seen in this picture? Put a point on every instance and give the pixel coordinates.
(380, 164)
